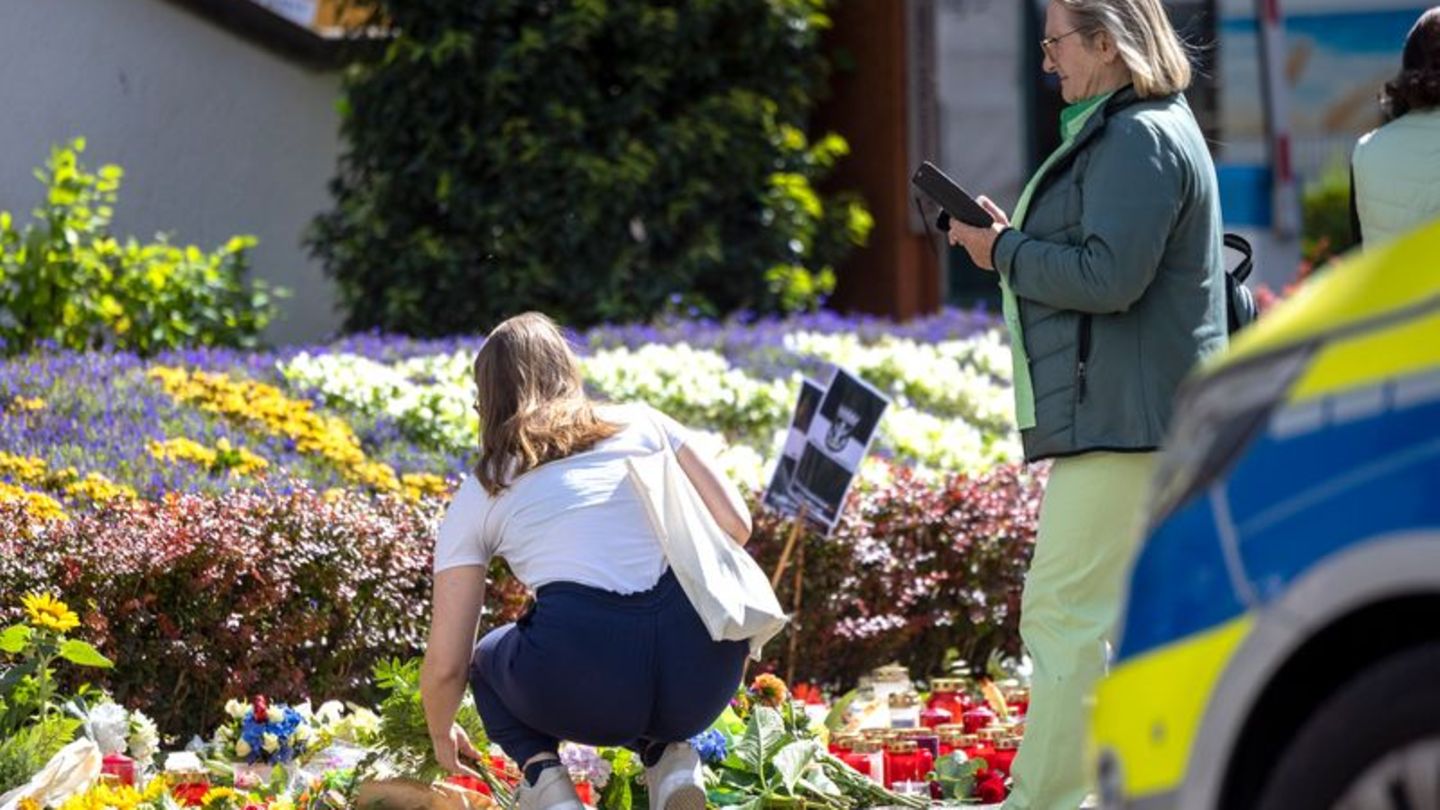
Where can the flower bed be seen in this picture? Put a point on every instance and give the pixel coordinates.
(230, 521)
(764, 750)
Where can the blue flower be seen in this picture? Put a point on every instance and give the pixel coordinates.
(710, 745)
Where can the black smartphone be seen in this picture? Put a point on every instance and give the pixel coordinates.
(952, 199)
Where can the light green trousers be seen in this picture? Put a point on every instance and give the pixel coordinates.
(1089, 526)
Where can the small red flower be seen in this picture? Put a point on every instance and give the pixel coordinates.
(262, 709)
(991, 788)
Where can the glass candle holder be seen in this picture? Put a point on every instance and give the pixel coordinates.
(1005, 749)
(977, 718)
(904, 710)
(949, 694)
(120, 767)
(903, 762)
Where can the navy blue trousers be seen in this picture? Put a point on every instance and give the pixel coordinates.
(592, 666)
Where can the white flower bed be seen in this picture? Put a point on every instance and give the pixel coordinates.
(951, 410)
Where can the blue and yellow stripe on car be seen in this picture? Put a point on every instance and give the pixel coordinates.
(1360, 415)
(1150, 711)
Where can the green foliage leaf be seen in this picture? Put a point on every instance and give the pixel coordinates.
(404, 735)
(25, 752)
(764, 734)
(79, 652)
(617, 795)
(792, 761)
(956, 775)
(15, 638)
(835, 718)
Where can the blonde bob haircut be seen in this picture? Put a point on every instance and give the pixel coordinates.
(532, 403)
(1145, 38)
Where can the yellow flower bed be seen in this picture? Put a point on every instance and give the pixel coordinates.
(99, 489)
(32, 471)
(37, 504)
(104, 796)
(224, 456)
(270, 409)
(24, 405)
(420, 485)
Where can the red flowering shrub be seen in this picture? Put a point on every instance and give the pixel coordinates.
(203, 598)
(199, 598)
(912, 571)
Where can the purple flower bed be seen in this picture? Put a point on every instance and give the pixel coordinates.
(758, 347)
(102, 412)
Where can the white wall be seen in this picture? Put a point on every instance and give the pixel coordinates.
(982, 105)
(217, 135)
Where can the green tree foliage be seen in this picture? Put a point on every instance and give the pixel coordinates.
(596, 159)
(65, 278)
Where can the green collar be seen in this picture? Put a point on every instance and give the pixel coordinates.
(1074, 117)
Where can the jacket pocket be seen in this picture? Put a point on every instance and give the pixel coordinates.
(1082, 357)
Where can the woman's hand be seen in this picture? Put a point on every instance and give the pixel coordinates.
(980, 242)
(450, 748)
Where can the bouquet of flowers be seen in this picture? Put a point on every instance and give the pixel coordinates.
(117, 731)
(585, 765)
(259, 733)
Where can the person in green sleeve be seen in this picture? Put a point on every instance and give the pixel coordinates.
(1112, 278)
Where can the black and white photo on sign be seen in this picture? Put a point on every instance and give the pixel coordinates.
(777, 494)
(849, 414)
(836, 443)
(825, 483)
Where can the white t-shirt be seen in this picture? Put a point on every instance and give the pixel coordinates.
(577, 519)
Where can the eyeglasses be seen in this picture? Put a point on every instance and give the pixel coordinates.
(1048, 42)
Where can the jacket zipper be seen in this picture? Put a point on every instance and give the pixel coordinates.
(1083, 339)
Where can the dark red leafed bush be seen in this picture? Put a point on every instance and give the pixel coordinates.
(200, 598)
(913, 571)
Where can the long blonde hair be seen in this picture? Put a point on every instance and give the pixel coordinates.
(532, 403)
(1145, 38)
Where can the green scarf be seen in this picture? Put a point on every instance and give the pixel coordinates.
(1072, 119)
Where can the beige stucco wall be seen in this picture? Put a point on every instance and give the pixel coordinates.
(216, 134)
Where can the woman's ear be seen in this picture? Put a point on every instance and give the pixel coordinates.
(1104, 47)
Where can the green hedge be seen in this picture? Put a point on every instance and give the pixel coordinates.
(585, 158)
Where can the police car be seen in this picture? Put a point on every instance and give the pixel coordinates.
(1280, 643)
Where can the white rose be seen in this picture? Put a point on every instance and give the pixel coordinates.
(107, 725)
(242, 748)
(302, 733)
(144, 738)
(330, 711)
(270, 743)
(365, 721)
(305, 712)
(236, 709)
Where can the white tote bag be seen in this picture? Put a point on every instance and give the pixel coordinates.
(722, 581)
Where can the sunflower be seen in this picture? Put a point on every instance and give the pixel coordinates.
(48, 612)
(220, 795)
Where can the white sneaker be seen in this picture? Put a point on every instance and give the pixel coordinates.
(676, 782)
(553, 791)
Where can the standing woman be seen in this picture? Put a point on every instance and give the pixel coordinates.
(1112, 283)
(611, 652)
(1397, 167)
